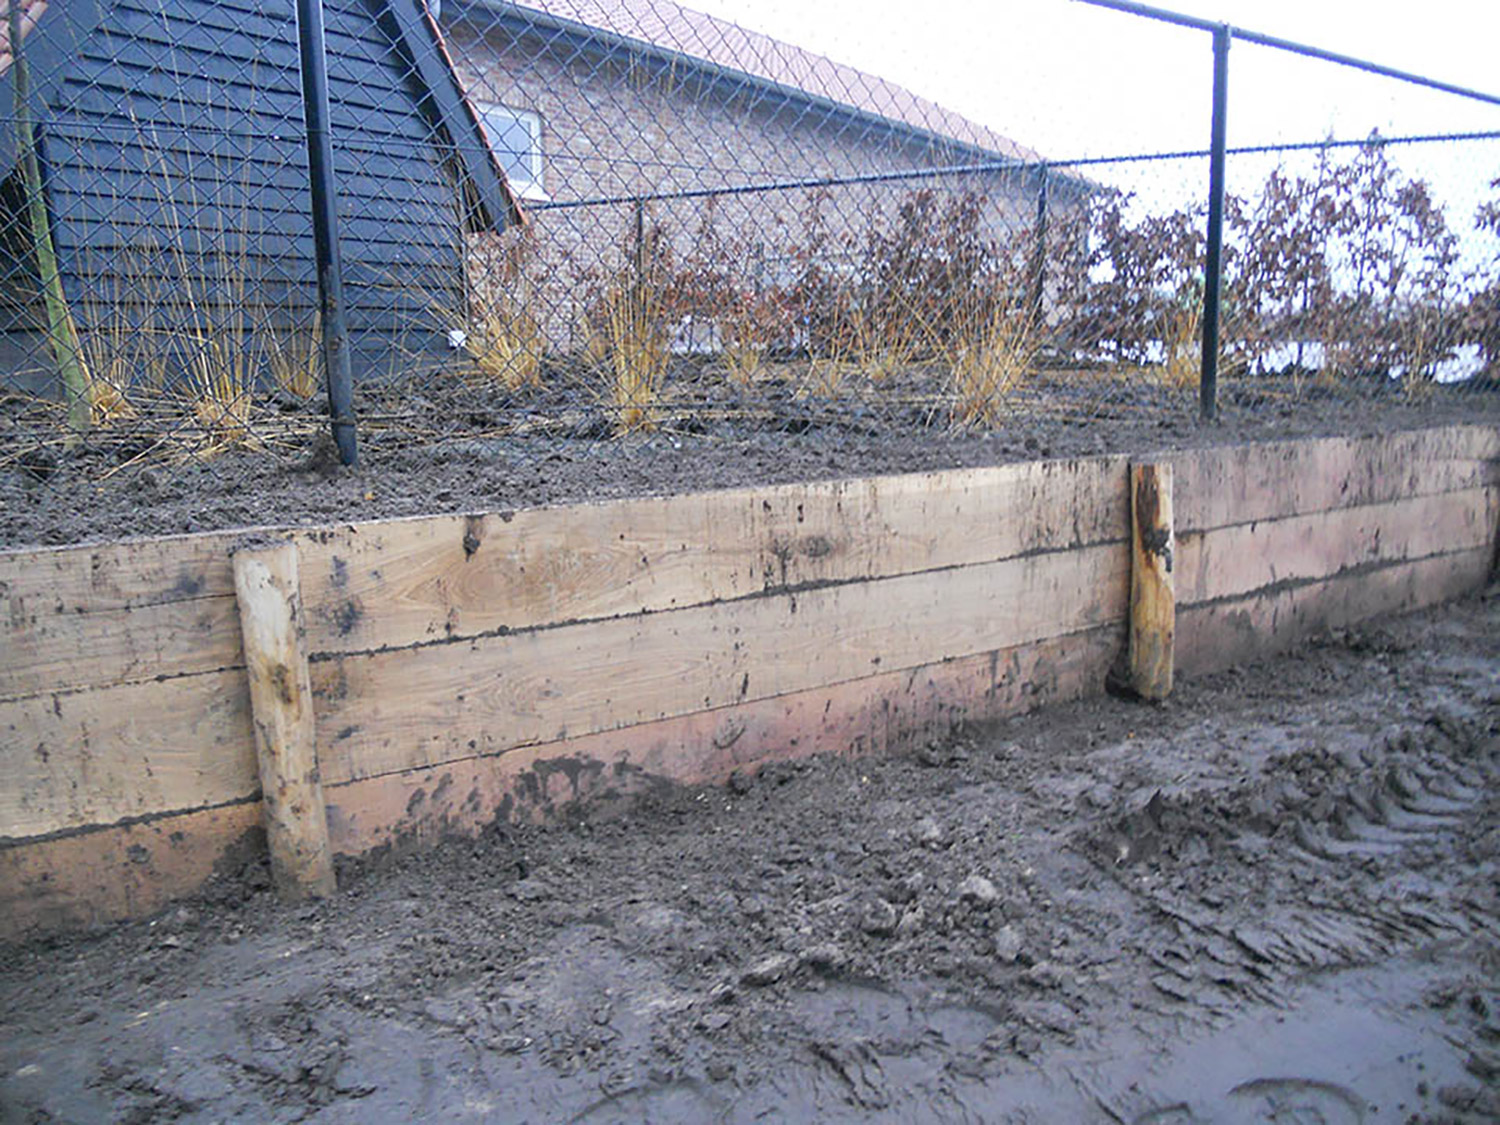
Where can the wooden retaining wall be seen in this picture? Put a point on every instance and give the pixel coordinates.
(465, 667)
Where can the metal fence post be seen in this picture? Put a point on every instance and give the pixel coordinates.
(325, 222)
(639, 214)
(1208, 386)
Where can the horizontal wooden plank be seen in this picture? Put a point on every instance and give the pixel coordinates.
(115, 612)
(102, 756)
(56, 653)
(540, 716)
(385, 159)
(219, 26)
(369, 98)
(108, 299)
(128, 871)
(255, 20)
(1245, 557)
(141, 605)
(121, 872)
(230, 247)
(93, 196)
(111, 166)
(104, 237)
(261, 60)
(118, 574)
(396, 709)
(407, 581)
(252, 7)
(1217, 635)
(77, 617)
(878, 714)
(84, 616)
(1243, 483)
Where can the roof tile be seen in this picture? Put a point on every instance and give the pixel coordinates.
(669, 26)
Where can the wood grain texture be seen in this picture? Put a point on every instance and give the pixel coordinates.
(113, 874)
(685, 691)
(131, 611)
(184, 742)
(1244, 557)
(1236, 484)
(876, 714)
(408, 581)
(126, 612)
(108, 614)
(101, 756)
(1153, 605)
(281, 707)
(1218, 635)
(408, 707)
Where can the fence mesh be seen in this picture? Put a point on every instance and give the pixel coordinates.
(574, 226)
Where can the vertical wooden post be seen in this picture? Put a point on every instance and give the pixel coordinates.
(270, 601)
(1153, 604)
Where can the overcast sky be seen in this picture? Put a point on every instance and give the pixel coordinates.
(1070, 79)
(1064, 76)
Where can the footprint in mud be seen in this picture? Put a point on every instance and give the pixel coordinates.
(1267, 1101)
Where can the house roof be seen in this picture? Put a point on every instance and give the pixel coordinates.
(416, 27)
(664, 26)
(53, 32)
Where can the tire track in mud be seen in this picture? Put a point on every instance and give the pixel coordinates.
(1323, 861)
(1059, 919)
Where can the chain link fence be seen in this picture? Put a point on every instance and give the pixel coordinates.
(575, 229)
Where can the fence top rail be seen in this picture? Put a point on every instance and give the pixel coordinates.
(1181, 19)
(1041, 167)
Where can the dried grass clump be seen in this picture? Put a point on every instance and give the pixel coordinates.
(1424, 343)
(292, 356)
(108, 360)
(1182, 347)
(989, 360)
(504, 339)
(882, 338)
(494, 321)
(743, 362)
(176, 345)
(220, 382)
(636, 353)
(826, 376)
(870, 338)
(496, 332)
(223, 408)
(754, 324)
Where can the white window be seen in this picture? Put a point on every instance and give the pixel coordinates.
(516, 137)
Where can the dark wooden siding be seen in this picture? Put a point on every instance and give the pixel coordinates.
(20, 286)
(178, 169)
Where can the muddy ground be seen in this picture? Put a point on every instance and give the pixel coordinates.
(463, 449)
(1274, 898)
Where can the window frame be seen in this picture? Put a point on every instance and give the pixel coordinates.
(535, 158)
